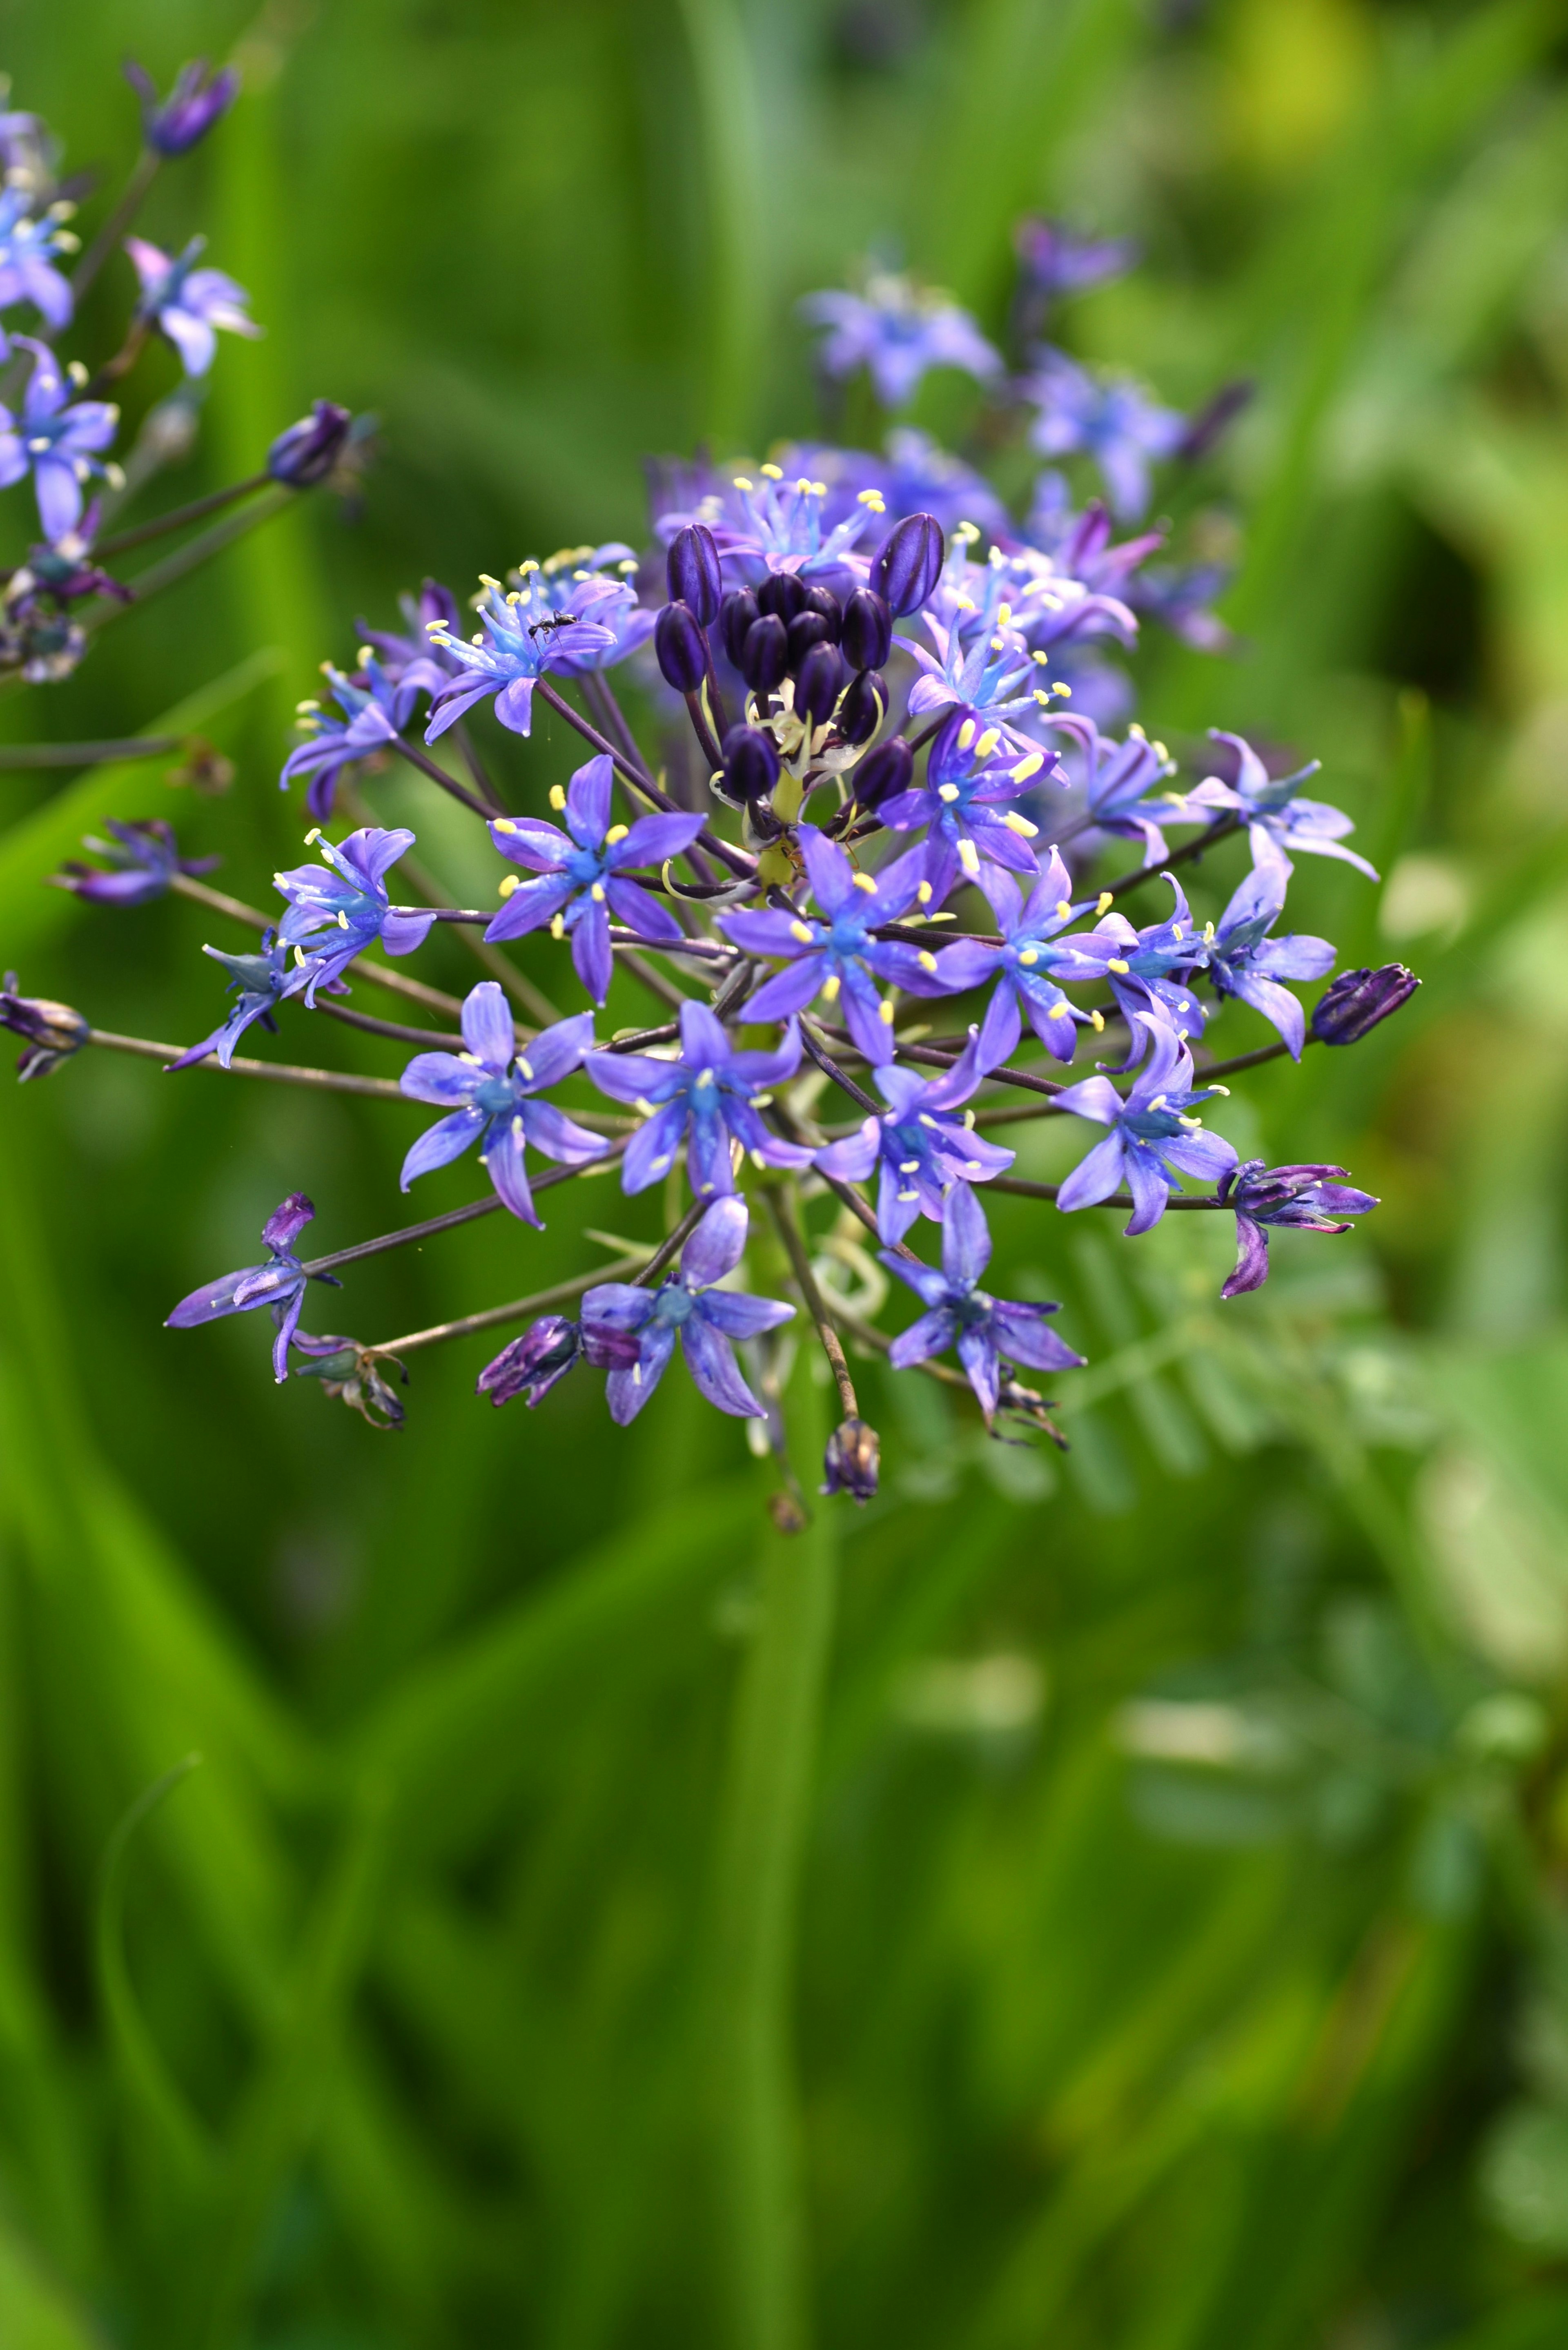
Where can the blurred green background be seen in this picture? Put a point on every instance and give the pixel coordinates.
(1152, 1934)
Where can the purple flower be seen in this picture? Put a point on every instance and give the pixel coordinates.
(629, 624)
(708, 1098)
(173, 126)
(414, 663)
(839, 956)
(1358, 1000)
(1245, 961)
(774, 525)
(57, 440)
(488, 1092)
(1113, 423)
(986, 1331)
(1146, 969)
(580, 873)
(1080, 542)
(921, 1147)
(1054, 260)
(852, 1460)
(916, 475)
(53, 1032)
(1118, 777)
(1153, 1131)
(532, 1364)
(65, 571)
(372, 711)
(279, 1285)
(987, 677)
(705, 1318)
(1306, 1199)
(142, 858)
(544, 623)
(308, 452)
(1179, 597)
(1277, 819)
(1020, 962)
(188, 305)
(349, 901)
(28, 247)
(896, 330)
(964, 801)
(263, 982)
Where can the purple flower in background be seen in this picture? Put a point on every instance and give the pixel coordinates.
(1179, 598)
(916, 475)
(964, 800)
(1020, 962)
(986, 1331)
(1278, 820)
(415, 663)
(142, 858)
(1245, 961)
(579, 878)
(1146, 970)
(1305, 1198)
(308, 452)
(540, 625)
(1153, 1131)
(708, 1098)
(263, 982)
(171, 126)
(1113, 423)
(27, 248)
(897, 331)
(488, 1091)
(771, 523)
(1080, 544)
(279, 1285)
(1052, 259)
(838, 957)
(349, 902)
(52, 1032)
(372, 711)
(705, 1318)
(1117, 778)
(921, 1147)
(187, 304)
(57, 439)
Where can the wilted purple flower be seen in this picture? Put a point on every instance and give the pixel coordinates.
(27, 248)
(142, 858)
(1277, 819)
(173, 126)
(1146, 969)
(964, 800)
(986, 1331)
(53, 1032)
(279, 1285)
(707, 1098)
(188, 305)
(57, 439)
(262, 982)
(898, 330)
(1020, 961)
(65, 571)
(547, 623)
(1358, 1000)
(580, 877)
(306, 453)
(489, 1093)
(1245, 961)
(348, 903)
(1153, 1131)
(920, 1147)
(1306, 1199)
(532, 1364)
(705, 1318)
(838, 957)
(1113, 423)
(852, 1460)
(372, 711)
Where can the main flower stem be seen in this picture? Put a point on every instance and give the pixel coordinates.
(786, 1216)
(384, 1240)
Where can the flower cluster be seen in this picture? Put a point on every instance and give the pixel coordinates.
(858, 858)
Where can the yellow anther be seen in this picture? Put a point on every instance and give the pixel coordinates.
(1064, 908)
(364, 655)
(923, 894)
(966, 735)
(949, 792)
(597, 893)
(512, 881)
(557, 926)
(312, 835)
(1105, 902)
(741, 482)
(774, 473)
(867, 882)
(303, 707)
(968, 857)
(1003, 614)
(801, 931)
(617, 832)
(525, 568)
(557, 797)
(908, 1166)
(1064, 691)
(1118, 966)
(1028, 766)
(830, 987)
(1097, 1021)
(1043, 659)
(928, 960)
(1061, 1011)
(987, 742)
(1028, 956)
(1020, 824)
(487, 581)
(1159, 1102)
(885, 1013)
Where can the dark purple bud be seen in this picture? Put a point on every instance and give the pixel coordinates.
(308, 452)
(53, 1031)
(682, 654)
(782, 593)
(884, 772)
(530, 1365)
(736, 614)
(825, 604)
(864, 706)
(807, 629)
(692, 568)
(867, 635)
(910, 564)
(1357, 1000)
(197, 99)
(764, 656)
(750, 764)
(852, 1460)
(819, 682)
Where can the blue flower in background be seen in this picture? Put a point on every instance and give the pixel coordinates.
(920, 1147)
(1301, 1199)
(489, 1092)
(689, 1307)
(1277, 819)
(1245, 961)
(985, 1331)
(173, 126)
(1113, 423)
(1153, 1132)
(279, 1285)
(1053, 259)
(708, 1098)
(771, 524)
(916, 475)
(55, 438)
(373, 708)
(187, 304)
(28, 250)
(142, 858)
(1020, 962)
(349, 902)
(898, 330)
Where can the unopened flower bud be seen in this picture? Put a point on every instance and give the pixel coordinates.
(819, 682)
(692, 568)
(807, 629)
(683, 655)
(910, 565)
(751, 765)
(53, 1031)
(867, 635)
(308, 452)
(782, 594)
(736, 614)
(864, 706)
(826, 606)
(530, 1365)
(1357, 1000)
(852, 1460)
(198, 98)
(884, 772)
(764, 656)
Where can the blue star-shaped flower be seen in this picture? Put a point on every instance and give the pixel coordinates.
(1020, 961)
(1245, 961)
(898, 331)
(920, 1147)
(489, 1091)
(985, 1331)
(547, 622)
(964, 800)
(708, 1098)
(28, 250)
(1114, 423)
(55, 439)
(1153, 1132)
(187, 304)
(689, 1307)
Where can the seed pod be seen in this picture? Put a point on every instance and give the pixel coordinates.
(910, 565)
(867, 635)
(736, 613)
(884, 772)
(764, 655)
(692, 568)
(852, 1460)
(864, 706)
(678, 642)
(818, 683)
